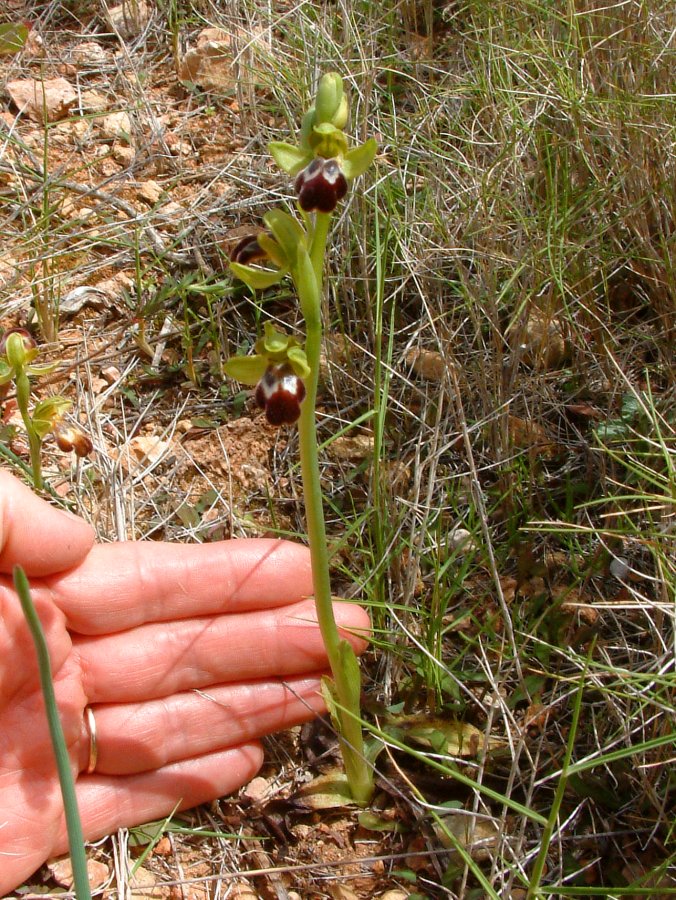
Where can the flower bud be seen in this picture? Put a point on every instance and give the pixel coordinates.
(280, 393)
(18, 347)
(331, 103)
(320, 185)
(72, 439)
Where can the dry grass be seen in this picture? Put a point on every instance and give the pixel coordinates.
(503, 313)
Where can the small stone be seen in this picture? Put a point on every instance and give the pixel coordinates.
(619, 568)
(256, 790)
(460, 539)
(89, 55)
(117, 126)
(61, 871)
(51, 99)
(150, 191)
(111, 375)
(93, 102)
(123, 154)
(128, 19)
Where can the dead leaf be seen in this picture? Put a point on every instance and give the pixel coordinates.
(428, 364)
(479, 837)
(543, 341)
(444, 735)
(48, 100)
(526, 434)
(340, 891)
(328, 791)
(351, 448)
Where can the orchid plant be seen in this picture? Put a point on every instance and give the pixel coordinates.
(18, 352)
(285, 372)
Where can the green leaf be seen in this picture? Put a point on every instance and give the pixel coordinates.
(289, 158)
(356, 161)
(12, 37)
(373, 822)
(287, 231)
(247, 369)
(256, 279)
(351, 673)
(306, 285)
(328, 689)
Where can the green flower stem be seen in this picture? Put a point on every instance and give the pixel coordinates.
(359, 774)
(34, 442)
(73, 825)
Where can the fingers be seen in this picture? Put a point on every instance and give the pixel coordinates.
(122, 585)
(166, 658)
(35, 535)
(139, 737)
(107, 803)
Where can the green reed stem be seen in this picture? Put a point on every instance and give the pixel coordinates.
(73, 824)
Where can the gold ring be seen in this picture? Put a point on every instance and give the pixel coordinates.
(93, 743)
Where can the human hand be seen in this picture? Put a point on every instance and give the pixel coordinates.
(186, 655)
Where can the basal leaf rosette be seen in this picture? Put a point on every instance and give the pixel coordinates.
(322, 162)
(277, 368)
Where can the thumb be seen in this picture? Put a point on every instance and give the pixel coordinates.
(35, 535)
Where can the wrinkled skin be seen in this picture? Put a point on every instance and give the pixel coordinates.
(187, 655)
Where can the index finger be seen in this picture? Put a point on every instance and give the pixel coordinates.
(123, 585)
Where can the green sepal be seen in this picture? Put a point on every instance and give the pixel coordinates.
(298, 362)
(256, 279)
(42, 368)
(328, 689)
(306, 131)
(47, 413)
(287, 231)
(246, 369)
(356, 161)
(289, 158)
(273, 250)
(6, 372)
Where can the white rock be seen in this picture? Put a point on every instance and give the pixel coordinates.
(117, 126)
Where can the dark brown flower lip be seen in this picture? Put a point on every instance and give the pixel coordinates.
(320, 185)
(280, 393)
(247, 250)
(72, 439)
